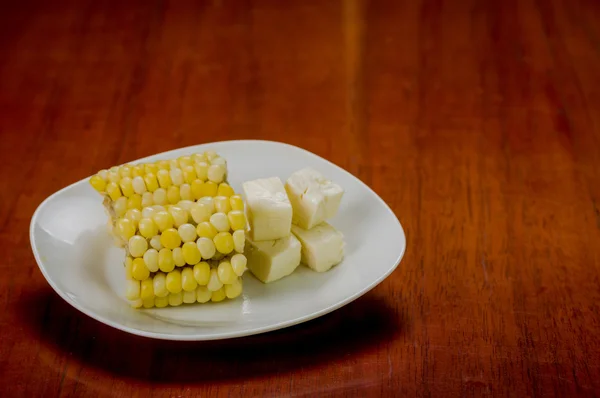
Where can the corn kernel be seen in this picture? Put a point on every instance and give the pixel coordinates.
(113, 191)
(125, 228)
(162, 165)
(147, 199)
(136, 303)
(160, 197)
(173, 164)
(224, 242)
(150, 168)
(239, 241)
(161, 302)
(138, 170)
(234, 289)
(220, 222)
(225, 272)
(216, 173)
(148, 303)
(237, 220)
(158, 208)
(214, 283)
(188, 282)
(202, 273)
(134, 201)
(199, 157)
(191, 253)
(185, 161)
(186, 204)
(238, 263)
(225, 190)
(187, 232)
(206, 247)
(208, 201)
(218, 295)
(185, 191)
(201, 169)
(137, 246)
(98, 183)
(155, 242)
(103, 174)
(236, 202)
(222, 204)
(210, 155)
(170, 238)
(174, 281)
(160, 285)
(176, 176)
(134, 215)
(151, 260)
(180, 215)
(132, 290)
(139, 269)
(175, 299)
(196, 187)
(128, 267)
(189, 174)
(209, 189)
(218, 160)
(126, 186)
(147, 227)
(120, 206)
(163, 178)
(189, 297)
(173, 195)
(139, 186)
(113, 175)
(147, 289)
(125, 171)
(206, 230)
(165, 260)
(203, 295)
(163, 220)
(200, 212)
(178, 258)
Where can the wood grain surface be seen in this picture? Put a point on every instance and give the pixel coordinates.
(477, 121)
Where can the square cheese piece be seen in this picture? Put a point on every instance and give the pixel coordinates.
(272, 260)
(268, 209)
(314, 198)
(322, 246)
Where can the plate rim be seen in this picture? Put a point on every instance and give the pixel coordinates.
(227, 335)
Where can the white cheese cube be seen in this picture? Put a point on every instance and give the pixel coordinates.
(272, 260)
(322, 246)
(314, 198)
(268, 209)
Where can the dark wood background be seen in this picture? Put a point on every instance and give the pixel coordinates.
(477, 121)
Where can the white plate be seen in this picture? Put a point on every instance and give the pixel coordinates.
(74, 252)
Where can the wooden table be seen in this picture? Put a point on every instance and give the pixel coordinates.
(477, 121)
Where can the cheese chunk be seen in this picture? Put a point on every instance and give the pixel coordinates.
(272, 260)
(322, 246)
(268, 208)
(314, 198)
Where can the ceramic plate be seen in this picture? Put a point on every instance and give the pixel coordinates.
(76, 255)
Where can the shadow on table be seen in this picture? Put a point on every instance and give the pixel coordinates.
(359, 326)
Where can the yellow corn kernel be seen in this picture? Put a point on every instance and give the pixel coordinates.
(239, 241)
(175, 299)
(185, 161)
(134, 201)
(103, 174)
(163, 178)
(151, 182)
(201, 212)
(134, 215)
(214, 283)
(189, 297)
(151, 260)
(218, 295)
(201, 169)
(150, 168)
(237, 220)
(132, 290)
(147, 290)
(147, 228)
(206, 230)
(173, 195)
(216, 173)
(148, 303)
(225, 190)
(174, 281)
(238, 263)
(126, 186)
(234, 289)
(178, 258)
(120, 206)
(147, 199)
(170, 238)
(138, 184)
(125, 228)
(125, 171)
(187, 232)
(162, 165)
(208, 201)
(189, 174)
(222, 204)
(199, 157)
(163, 220)
(137, 303)
(159, 283)
(113, 175)
(176, 176)
(225, 272)
(191, 253)
(113, 191)
(203, 295)
(137, 171)
(220, 222)
(206, 247)
(98, 183)
(160, 197)
(139, 269)
(188, 282)
(237, 203)
(210, 155)
(155, 242)
(165, 260)
(202, 273)
(128, 267)
(137, 246)
(173, 164)
(196, 187)
(185, 191)
(218, 160)
(161, 302)
(224, 242)
(209, 189)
